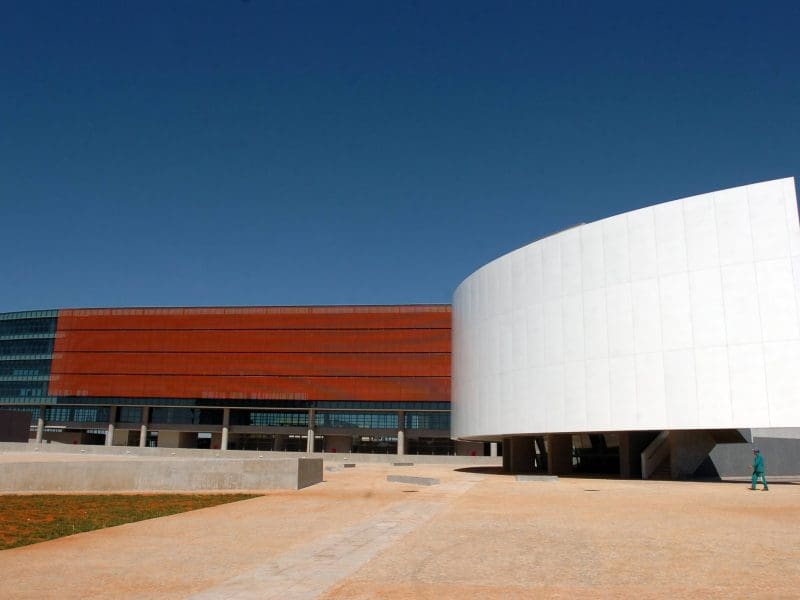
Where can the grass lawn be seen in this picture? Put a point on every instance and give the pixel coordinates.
(28, 519)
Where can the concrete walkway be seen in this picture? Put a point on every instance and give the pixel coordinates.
(308, 571)
(476, 535)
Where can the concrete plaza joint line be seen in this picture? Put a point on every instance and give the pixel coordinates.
(479, 534)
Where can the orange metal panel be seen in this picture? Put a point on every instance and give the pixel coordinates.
(315, 353)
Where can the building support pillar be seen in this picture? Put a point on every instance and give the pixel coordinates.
(112, 415)
(631, 446)
(401, 433)
(40, 424)
(143, 428)
(559, 453)
(493, 449)
(311, 426)
(520, 450)
(226, 424)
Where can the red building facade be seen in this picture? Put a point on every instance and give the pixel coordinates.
(337, 378)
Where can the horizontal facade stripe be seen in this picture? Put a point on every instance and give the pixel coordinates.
(27, 336)
(255, 341)
(9, 357)
(239, 404)
(248, 364)
(24, 378)
(30, 314)
(290, 388)
(293, 318)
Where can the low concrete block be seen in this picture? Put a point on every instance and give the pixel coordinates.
(349, 465)
(412, 480)
(550, 478)
(158, 474)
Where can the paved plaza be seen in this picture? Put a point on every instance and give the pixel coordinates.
(475, 534)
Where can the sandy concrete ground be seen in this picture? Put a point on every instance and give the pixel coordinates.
(477, 534)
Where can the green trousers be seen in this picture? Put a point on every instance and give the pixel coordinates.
(756, 475)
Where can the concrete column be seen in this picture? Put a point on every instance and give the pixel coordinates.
(507, 454)
(226, 423)
(559, 453)
(40, 425)
(492, 448)
(631, 446)
(143, 428)
(310, 440)
(112, 415)
(401, 433)
(520, 451)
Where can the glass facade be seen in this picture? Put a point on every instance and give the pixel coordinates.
(129, 414)
(26, 327)
(186, 416)
(269, 418)
(77, 414)
(18, 346)
(432, 420)
(26, 347)
(17, 367)
(357, 420)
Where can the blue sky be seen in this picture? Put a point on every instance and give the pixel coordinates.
(158, 153)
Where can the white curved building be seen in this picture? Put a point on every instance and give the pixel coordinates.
(676, 317)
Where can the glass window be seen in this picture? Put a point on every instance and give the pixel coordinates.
(77, 414)
(129, 414)
(22, 368)
(428, 420)
(27, 326)
(36, 346)
(24, 389)
(186, 416)
(357, 420)
(265, 418)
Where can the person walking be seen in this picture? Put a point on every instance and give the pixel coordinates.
(758, 470)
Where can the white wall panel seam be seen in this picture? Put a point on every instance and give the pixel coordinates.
(604, 290)
(758, 304)
(583, 328)
(691, 321)
(724, 310)
(789, 233)
(661, 353)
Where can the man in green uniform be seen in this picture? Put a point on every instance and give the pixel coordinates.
(758, 469)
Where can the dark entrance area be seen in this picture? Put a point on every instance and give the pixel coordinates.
(595, 453)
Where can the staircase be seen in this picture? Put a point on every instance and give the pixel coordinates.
(656, 458)
(663, 472)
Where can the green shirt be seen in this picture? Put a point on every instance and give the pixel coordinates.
(758, 464)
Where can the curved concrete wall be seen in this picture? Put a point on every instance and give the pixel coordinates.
(676, 316)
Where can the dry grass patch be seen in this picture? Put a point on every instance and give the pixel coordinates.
(29, 519)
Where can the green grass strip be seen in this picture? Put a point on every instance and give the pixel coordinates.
(29, 519)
